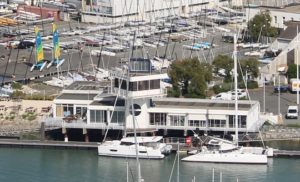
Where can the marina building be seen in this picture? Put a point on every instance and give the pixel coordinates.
(113, 11)
(279, 15)
(88, 105)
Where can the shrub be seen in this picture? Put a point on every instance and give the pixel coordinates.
(16, 85)
(31, 117)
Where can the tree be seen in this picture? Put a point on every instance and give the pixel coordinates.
(189, 78)
(292, 71)
(260, 25)
(223, 62)
(251, 66)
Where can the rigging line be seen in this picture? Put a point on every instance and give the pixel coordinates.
(40, 5)
(100, 56)
(2, 83)
(29, 60)
(18, 51)
(115, 103)
(167, 46)
(173, 166)
(13, 75)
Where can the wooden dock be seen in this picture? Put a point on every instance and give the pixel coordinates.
(48, 144)
(286, 153)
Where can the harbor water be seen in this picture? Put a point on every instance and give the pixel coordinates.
(52, 165)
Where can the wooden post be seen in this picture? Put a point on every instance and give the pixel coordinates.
(64, 131)
(85, 134)
(42, 131)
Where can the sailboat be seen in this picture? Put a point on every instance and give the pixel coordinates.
(40, 61)
(224, 151)
(56, 49)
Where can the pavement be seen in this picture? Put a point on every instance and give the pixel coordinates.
(274, 100)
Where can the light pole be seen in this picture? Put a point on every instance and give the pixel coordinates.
(279, 94)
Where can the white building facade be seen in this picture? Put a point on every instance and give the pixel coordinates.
(111, 108)
(278, 15)
(113, 11)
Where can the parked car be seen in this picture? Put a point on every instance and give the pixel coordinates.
(292, 112)
(281, 88)
(222, 96)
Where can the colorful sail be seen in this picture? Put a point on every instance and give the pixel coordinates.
(56, 47)
(38, 45)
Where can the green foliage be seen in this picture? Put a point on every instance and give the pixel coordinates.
(250, 84)
(251, 66)
(18, 94)
(261, 24)
(29, 116)
(189, 78)
(292, 71)
(16, 86)
(223, 62)
(225, 87)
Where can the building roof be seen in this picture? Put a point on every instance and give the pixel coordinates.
(290, 32)
(109, 102)
(87, 85)
(68, 96)
(287, 9)
(202, 103)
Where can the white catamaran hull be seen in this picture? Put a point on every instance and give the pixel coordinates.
(129, 152)
(231, 157)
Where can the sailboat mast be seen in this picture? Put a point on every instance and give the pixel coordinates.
(139, 177)
(235, 89)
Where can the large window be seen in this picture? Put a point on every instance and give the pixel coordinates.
(154, 84)
(217, 123)
(242, 121)
(197, 123)
(98, 116)
(158, 119)
(63, 110)
(143, 85)
(118, 117)
(176, 120)
(81, 111)
(133, 86)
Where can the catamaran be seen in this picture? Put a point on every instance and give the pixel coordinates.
(224, 151)
(56, 49)
(40, 61)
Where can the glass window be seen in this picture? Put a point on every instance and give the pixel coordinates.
(118, 117)
(177, 120)
(143, 85)
(133, 86)
(242, 121)
(158, 119)
(68, 109)
(154, 84)
(59, 110)
(116, 82)
(197, 123)
(98, 116)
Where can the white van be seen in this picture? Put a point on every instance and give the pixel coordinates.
(292, 112)
(222, 96)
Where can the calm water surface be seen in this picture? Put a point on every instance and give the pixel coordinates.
(47, 165)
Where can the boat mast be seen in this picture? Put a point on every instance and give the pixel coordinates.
(235, 89)
(139, 177)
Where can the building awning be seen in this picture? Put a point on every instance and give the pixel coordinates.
(282, 68)
(219, 117)
(200, 117)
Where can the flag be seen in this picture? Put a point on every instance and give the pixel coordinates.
(38, 45)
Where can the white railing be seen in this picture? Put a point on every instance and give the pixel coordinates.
(57, 122)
